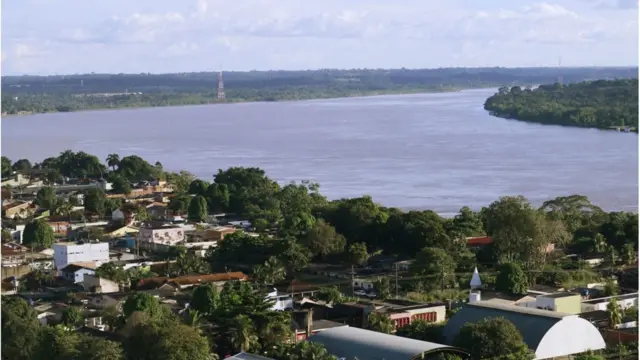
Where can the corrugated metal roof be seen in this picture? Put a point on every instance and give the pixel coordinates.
(247, 356)
(351, 342)
(533, 324)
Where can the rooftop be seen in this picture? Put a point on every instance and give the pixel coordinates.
(349, 342)
(247, 356)
(518, 309)
(616, 297)
(559, 295)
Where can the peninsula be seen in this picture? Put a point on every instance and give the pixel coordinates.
(602, 104)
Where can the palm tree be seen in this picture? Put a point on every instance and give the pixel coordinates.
(381, 323)
(63, 208)
(308, 350)
(242, 333)
(271, 272)
(193, 318)
(615, 314)
(113, 160)
(274, 327)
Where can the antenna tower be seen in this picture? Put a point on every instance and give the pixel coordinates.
(560, 80)
(221, 96)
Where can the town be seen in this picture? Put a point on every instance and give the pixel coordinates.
(124, 259)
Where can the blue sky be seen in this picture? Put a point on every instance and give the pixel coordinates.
(132, 36)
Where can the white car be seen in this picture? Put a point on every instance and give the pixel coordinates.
(360, 293)
(371, 295)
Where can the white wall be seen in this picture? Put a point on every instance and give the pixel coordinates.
(164, 236)
(65, 254)
(571, 335)
(602, 305)
(78, 276)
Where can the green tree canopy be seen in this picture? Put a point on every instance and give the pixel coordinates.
(492, 338)
(20, 329)
(511, 279)
(38, 234)
(198, 208)
(198, 187)
(46, 198)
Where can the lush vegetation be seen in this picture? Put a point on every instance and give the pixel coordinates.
(296, 226)
(598, 104)
(35, 94)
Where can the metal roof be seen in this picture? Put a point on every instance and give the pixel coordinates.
(351, 342)
(247, 356)
(533, 324)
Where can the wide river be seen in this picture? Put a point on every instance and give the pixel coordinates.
(425, 151)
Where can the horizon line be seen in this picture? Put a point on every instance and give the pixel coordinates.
(328, 69)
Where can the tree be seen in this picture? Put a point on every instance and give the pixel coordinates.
(180, 181)
(242, 334)
(166, 340)
(6, 167)
(511, 279)
(205, 299)
(198, 187)
(217, 196)
(95, 201)
(46, 198)
(121, 185)
(629, 254)
(492, 338)
(38, 234)
(179, 204)
(113, 160)
(142, 302)
(467, 223)
(198, 208)
(22, 165)
(270, 272)
(323, 240)
(380, 322)
(57, 343)
(610, 288)
(588, 356)
(134, 168)
(383, 286)
(520, 233)
(615, 313)
(435, 263)
(20, 329)
(73, 317)
(331, 295)
(422, 330)
(358, 254)
(94, 348)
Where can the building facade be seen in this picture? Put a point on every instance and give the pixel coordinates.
(67, 253)
(161, 235)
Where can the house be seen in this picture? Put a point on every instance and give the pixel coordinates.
(548, 334)
(60, 228)
(122, 214)
(479, 242)
(157, 209)
(219, 232)
(184, 282)
(120, 231)
(281, 301)
(65, 253)
(75, 272)
(150, 236)
(624, 301)
(305, 325)
(13, 254)
(354, 343)
(104, 301)
(564, 302)
(402, 312)
(403, 265)
(363, 284)
(16, 209)
(94, 284)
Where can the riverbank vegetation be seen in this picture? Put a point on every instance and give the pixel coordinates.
(38, 94)
(296, 227)
(601, 104)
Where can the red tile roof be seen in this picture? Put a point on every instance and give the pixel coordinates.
(479, 240)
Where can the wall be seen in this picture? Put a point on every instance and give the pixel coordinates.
(440, 312)
(17, 271)
(569, 305)
(605, 301)
(78, 276)
(67, 254)
(165, 236)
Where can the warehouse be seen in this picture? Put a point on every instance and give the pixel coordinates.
(548, 333)
(354, 343)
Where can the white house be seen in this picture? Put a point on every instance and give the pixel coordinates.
(161, 235)
(92, 283)
(77, 272)
(363, 284)
(624, 301)
(282, 301)
(76, 252)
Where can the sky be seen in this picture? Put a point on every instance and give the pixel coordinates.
(158, 36)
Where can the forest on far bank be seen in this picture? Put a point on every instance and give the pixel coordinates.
(61, 93)
(599, 104)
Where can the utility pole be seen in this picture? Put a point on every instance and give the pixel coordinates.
(353, 289)
(396, 280)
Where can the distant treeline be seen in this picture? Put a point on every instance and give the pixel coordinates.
(597, 104)
(35, 94)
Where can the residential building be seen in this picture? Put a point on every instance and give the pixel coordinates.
(305, 325)
(157, 210)
(95, 284)
(282, 301)
(564, 302)
(13, 254)
(184, 282)
(363, 284)
(219, 232)
(478, 242)
(16, 209)
(17, 233)
(623, 301)
(548, 334)
(354, 343)
(75, 252)
(76, 271)
(60, 228)
(403, 265)
(122, 215)
(160, 235)
(402, 312)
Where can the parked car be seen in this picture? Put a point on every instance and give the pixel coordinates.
(360, 293)
(372, 295)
